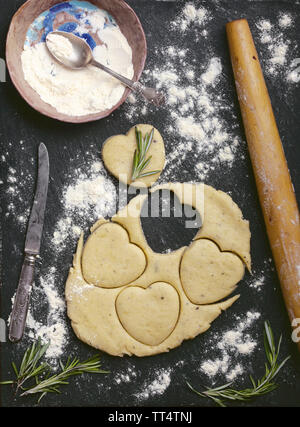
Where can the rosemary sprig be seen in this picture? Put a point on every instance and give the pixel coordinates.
(51, 384)
(260, 387)
(139, 158)
(42, 380)
(29, 367)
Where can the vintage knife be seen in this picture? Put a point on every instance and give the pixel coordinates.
(32, 248)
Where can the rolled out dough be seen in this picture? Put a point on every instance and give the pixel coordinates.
(168, 301)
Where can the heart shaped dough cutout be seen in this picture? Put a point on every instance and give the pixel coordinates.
(207, 274)
(149, 315)
(118, 152)
(107, 257)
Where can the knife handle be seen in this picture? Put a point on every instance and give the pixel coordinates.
(21, 303)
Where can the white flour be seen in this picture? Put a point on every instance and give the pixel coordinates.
(61, 47)
(195, 127)
(278, 49)
(126, 376)
(285, 20)
(258, 283)
(84, 91)
(157, 386)
(19, 185)
(196, 101)
(190, 15)
(86, 198)
(199, 112)
(293, 75)
(213, 71)
(236, 343)
(54, 330)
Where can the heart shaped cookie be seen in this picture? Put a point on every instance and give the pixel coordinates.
(149, 315)
(207, 274)
(107, 257)
(118, 152)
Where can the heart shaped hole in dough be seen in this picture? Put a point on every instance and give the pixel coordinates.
(149, 315)
(109, 260)
(207, 274)
(167, 224)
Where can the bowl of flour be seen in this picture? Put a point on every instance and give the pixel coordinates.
(116, 37)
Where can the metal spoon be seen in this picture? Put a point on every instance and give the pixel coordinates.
(83, 56)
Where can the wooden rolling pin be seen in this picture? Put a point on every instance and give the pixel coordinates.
(273, 181)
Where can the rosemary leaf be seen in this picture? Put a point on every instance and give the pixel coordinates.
(145, 164)
(149, 141)
(148, 173)
(40, 375)
(259, 387)
(71, 368)
(140, 162)
(14, 368)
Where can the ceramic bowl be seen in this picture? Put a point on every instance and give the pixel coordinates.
(29, 11)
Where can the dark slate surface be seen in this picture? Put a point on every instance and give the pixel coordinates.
(68, 144)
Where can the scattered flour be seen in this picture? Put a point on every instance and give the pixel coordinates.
(232, 344)
(279, 48)
(125, 377)
(157, 386)
(190, 15)
(258, 283)
(18, 187)
(237, 370)
(285, 20)
(54, 329)
(87, 197)
(196, 99)
(293, 75)
(196, 127)
(213, 71)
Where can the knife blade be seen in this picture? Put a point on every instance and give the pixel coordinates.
(32, 248)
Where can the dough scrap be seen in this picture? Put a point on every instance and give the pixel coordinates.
(94, 310)
(149, 315)
(208, 275)
(107, 257)
(118, 152)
